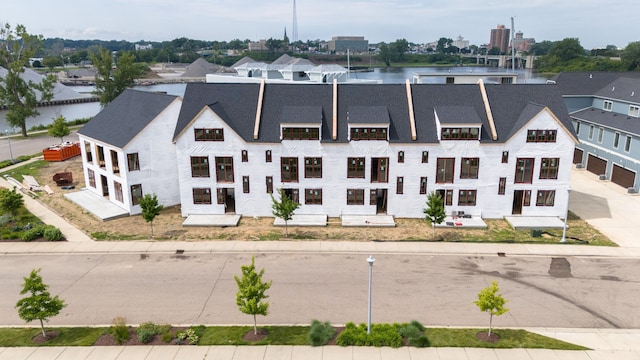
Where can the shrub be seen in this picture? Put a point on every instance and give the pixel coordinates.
(189, 335)
(146, 332)
(119, 330)
(167, 336)
(320, 333)
(33, 233)
(420, 342)
(409, 331)
(381, 335)
(52, 233)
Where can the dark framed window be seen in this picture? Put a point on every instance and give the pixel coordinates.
(133, 163)
(379, 170)
(399, 185)
(87, 151)
(400, 157)
(425, 157)
(245, 184)
(292, 194)
(549, 168)
(545, 197)
(100, 151)
(460, 133)
(505, 157)
(136, 194)
(289, 169)
(541, 135)
(423, 185)
(245, 156)
(202, 196)
(199, 166)
(312, 167)
(221, 194)
(502, 185)
(469, 168)
(92, 178)
(355, 167)
(313, 196)
(524, 170)
(368, 134)
(627, 143)
(467, 197)
(117, 187)
(269, 183)
(224, 169)
(448, 197)
(526, 201)
(294, 133)
(444, 170)
(208, 134)
(115, 166)
(267, 156)
(616, 140)
(355, 196)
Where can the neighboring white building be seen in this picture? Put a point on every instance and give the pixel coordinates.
(127, 149)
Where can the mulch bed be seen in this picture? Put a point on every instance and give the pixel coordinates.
(484, 336)
(39, 339)
(110, 340)
(251, 336)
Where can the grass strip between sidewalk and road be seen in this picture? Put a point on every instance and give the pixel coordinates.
(289, 335)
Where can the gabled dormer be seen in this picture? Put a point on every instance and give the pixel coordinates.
(301, 123)
(368, 123)
(457, 123)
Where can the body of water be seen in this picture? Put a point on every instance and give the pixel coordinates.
(392, 75)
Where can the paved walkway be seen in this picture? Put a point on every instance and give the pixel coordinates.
(604, 205)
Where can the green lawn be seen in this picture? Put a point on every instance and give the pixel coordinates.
(290, 335)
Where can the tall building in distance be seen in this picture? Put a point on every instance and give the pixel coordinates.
(500, 38)
(460, 42)
(520, 43)
(355, 44)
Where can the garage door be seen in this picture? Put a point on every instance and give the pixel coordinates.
(577, 156)
(596, 165)
(623, 177)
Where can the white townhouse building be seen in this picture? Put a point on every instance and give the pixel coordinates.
(489, 150)
(127, 149)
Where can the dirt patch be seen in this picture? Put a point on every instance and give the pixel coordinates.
(251, 336)
(484, 336)
(39, 339)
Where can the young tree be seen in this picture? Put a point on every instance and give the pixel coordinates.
(20, 96)
(110, 81)
(59, 128)
(150, 208)
(39, 305)
(490, 301)
(434, 212)
(284, 209)
(251, 292)
(10, 201)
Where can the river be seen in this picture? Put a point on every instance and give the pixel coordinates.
(392, 75)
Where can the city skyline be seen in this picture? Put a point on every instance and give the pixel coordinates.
(594, 24)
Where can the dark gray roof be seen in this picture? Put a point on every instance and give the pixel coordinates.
(623, 88)
(123, 118)
(200, 68)
(302, 114)
(588, 83)
(625, 123)
(368, 115)
(458, 115)
(236, 104)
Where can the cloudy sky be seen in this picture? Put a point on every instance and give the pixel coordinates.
(596, 23)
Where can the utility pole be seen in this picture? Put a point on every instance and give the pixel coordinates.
(513, 48)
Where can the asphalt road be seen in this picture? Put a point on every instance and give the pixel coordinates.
(29, 146)
(198, 288)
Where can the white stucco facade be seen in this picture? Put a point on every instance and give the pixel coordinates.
(156, 158)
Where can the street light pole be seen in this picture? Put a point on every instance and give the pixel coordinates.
(564, 228)
(370, 260)
(9, 140)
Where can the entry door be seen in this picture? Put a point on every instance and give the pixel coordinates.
(229, 202)
(105, 185)
(518, 196)
(379, 197)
